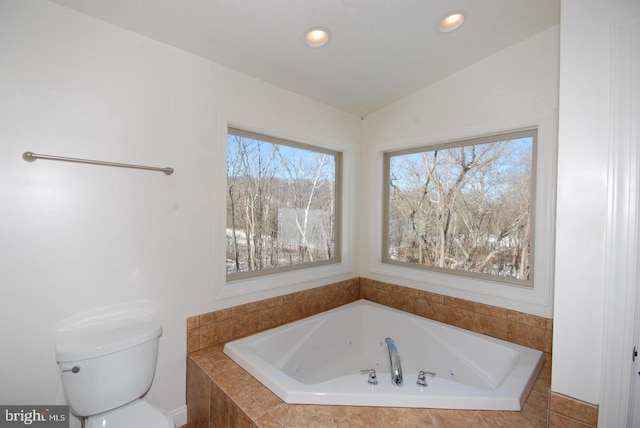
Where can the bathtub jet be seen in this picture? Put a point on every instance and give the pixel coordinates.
(320, 360)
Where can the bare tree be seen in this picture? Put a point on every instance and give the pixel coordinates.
(465, 208)
(272, 187)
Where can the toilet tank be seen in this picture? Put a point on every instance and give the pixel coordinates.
(109, 368)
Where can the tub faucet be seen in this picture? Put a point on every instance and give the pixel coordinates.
(394, 359)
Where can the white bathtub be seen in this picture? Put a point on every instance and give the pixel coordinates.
(318, 360)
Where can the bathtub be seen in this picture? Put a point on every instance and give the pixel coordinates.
(326, 358)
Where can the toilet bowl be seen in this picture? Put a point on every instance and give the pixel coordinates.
(138, 413)
(105, 373)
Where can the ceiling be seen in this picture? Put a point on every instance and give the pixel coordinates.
(380, 50)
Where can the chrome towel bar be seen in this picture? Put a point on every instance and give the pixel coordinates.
(31, 157)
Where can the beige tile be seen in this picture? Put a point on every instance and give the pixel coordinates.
(536, 406)
(459, 317)
(198, 396)
(402, 417)
(459, 303)
(433, 297)
(216, 333)
(385, 286)
(365, 282)
(270, 303)
(532, 320)
(242, 378)
(545, 372)
(220, 407)
(197, 356)
(455, 418)
(355, 417)
(527, 335)
(313, 293)
(489, 325)
(575, 409)
(268, 421)
(215, 316)
(542, 385)
(271, 317)
(559, 421)
(493, 311)
(495, 419)
(535, 422)
(193, 322)
(293, 297)
(548, 341)
(225, 383)
(293, 311)
(245, 309)
(407, 303)
(312, 306)
(341, 294)
(432, 310)
(409, 292)
(280, 412)
(212, 351)
(242, 420)
(244, 325)
(277, 408)
(308, 416)
(193, 340)
(248, 405)
(224, 362)
(207, 336)
(368, 293)
(266, 398)
(209, 367)
(385, 297)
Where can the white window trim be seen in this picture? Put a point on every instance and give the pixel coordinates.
(338, 171)
(537, 300)
(239, 291)
(529, 133)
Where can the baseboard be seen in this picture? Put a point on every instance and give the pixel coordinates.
(179, 416)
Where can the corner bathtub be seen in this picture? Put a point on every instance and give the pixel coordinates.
(318, 360)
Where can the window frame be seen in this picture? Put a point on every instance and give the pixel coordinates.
(338, 183)
(502, 136)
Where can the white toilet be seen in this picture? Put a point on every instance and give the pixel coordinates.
(104, 374)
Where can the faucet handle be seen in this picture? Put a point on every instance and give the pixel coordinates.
(373, 378)
(422, 377)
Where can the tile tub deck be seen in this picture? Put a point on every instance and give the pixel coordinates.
(221, 394)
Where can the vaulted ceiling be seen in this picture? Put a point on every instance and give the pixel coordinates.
(379, 52)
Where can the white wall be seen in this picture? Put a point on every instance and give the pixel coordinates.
(513, 89)
(77, 238)
(137, 244)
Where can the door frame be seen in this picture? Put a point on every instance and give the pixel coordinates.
(621, 297)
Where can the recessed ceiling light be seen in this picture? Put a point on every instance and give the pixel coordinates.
(317, 37)
(451, 22)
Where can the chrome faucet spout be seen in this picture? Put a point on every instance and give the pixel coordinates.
(394, 360)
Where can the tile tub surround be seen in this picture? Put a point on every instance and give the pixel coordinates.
(513, 326)
(221, 394)
(212, 390)
(569, 412)
(229, 324)
(233, 323)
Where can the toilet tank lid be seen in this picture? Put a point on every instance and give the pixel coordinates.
(103, 342)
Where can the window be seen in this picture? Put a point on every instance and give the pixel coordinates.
(282, 205)
(463, 208)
